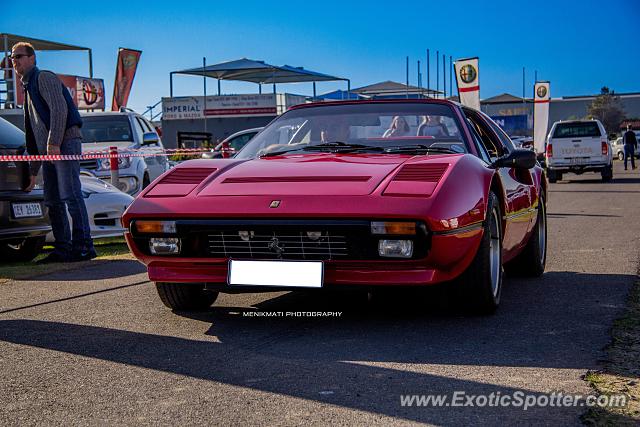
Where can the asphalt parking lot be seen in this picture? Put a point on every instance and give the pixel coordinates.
(96, 345)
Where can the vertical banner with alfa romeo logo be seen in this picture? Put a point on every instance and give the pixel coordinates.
(540, 115)
(468, 81)
(125, 72)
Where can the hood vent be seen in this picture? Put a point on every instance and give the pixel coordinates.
(187, 176)
(262, 179)
(430, 172)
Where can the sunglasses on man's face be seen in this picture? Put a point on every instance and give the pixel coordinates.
(15, 57)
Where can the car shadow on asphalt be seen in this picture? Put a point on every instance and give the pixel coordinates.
(353, 360)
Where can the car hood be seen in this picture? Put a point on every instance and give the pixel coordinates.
(105, 145)
(321, 174)
(96, 185)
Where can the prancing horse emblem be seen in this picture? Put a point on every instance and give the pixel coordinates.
(274, 203)
(274, 246)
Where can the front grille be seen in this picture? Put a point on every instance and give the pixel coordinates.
(89, 164)
(316, 245)
(288, 239)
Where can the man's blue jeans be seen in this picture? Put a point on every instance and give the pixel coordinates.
(629, 152)
(62, 189)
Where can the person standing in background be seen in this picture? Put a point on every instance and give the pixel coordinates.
(630, 145)
(52, 126)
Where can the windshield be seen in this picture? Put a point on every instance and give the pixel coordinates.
(383, 128)
(10, 136)
(112, 128)
(577, 130)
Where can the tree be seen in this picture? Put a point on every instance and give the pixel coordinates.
(608, 109)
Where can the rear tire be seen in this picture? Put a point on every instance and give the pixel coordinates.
(621, 156)
(23, 250)
(533, 258)
(553, 176)
(607, 174)
(480, 285)
(185, 296)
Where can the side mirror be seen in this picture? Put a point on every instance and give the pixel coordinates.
(520, 159)
(150, 138)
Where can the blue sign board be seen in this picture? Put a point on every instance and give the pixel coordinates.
(511, 124)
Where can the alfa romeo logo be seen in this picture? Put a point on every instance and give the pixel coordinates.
(542, 91)
(90, 92)
(468, 73)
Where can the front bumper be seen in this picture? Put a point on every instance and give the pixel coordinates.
(19, 228)
(578, 169)
(449, 255)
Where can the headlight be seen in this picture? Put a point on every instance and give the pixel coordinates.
(126, 184)
(395, 248)
(164, 245)
(123, 163)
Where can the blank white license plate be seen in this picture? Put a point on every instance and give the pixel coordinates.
(295, 274)
(26, 210)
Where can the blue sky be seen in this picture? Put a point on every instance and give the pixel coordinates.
(579, 46)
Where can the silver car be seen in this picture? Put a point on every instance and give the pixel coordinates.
(126, 130)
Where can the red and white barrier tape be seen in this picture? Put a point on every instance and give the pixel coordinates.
(90, 155)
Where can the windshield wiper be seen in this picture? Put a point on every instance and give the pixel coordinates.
(419, 147)
(278, 152)
(337, 146)
(340, 146)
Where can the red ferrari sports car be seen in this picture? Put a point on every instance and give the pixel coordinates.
(348, 194)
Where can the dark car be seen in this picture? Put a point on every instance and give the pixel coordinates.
(232, 144)
(23, 217)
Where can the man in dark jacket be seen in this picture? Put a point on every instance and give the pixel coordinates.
(52, 126)
(630, 145)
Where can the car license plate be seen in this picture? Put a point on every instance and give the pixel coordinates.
(295, 274)
(26, 210)
(579, 160)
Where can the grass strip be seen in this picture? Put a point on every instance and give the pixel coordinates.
(113, 248)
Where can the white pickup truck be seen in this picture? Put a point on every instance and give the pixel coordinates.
(578, 146)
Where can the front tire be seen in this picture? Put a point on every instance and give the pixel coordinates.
(23, 250)
(185, 296)
(145, 181)
(621, 156)
(532, 260)
(481, 283)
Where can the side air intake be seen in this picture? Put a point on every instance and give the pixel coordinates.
(179, 182)
(417, 180)
(431, 172)
(187, 176)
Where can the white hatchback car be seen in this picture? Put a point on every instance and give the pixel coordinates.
(126, 130)
(105, 206)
